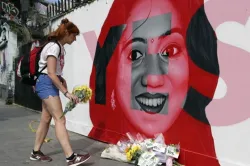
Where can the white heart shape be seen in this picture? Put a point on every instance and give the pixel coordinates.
(235, 34)
(221, 89)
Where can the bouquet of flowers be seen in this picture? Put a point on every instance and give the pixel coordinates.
(133, 153)
(84, 94)
(143, 151)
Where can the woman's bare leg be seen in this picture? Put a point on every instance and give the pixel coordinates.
(54, 106)
(42, 128)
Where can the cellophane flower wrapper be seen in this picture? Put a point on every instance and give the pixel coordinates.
(140, 138)
(112, 152)
(169, 161)
(131, 138)
(84, 94)
(159, 138)
(123, 145)
(143, 151)
(173, 151)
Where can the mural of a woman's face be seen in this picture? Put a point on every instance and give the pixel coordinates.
(153, 67)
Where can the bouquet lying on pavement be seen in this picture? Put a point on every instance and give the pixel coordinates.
(143, 151)
(84, 94)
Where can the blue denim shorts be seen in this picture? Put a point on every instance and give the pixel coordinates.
(45, 87)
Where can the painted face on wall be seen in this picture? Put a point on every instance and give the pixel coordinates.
(153, 67)
(3, 38)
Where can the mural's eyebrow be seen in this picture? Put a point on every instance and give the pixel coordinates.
(142, 40)
(137, 39)
(173, 30)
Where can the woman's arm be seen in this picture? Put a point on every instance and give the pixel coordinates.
(64, 83)
(51, 68)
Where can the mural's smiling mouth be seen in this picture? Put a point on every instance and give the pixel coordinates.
(151, 103)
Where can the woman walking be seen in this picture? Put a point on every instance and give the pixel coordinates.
(48, 85)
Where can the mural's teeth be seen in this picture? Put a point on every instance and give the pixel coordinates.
(155, 102)
(151, 102)
(159, 101)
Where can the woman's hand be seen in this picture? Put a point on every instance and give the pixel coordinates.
(72, 97)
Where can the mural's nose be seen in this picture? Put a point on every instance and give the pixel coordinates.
(153, 81)
(154, 75)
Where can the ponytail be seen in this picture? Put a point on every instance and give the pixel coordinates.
(60, 32)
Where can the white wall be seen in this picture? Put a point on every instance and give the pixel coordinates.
(232, 142)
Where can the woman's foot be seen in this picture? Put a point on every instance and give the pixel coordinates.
(78, 159)
(39, 156)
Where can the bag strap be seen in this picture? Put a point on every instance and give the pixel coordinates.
(41, 51)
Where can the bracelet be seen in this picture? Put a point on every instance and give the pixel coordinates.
(66, 93)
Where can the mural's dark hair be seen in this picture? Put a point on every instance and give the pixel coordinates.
(201, 45)
(101, 60)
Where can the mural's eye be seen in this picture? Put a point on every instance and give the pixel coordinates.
(135, 55)
(170, 50)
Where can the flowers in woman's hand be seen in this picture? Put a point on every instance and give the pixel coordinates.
(84, 94)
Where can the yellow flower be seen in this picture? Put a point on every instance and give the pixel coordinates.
(129, 156)
(135, 148)
(84, 93)
(85, 90)
(126, 150)
(130, 152)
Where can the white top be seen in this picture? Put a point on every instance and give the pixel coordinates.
(53, 49)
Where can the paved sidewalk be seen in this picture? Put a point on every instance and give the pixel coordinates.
(17, 141)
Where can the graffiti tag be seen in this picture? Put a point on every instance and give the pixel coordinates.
(10, 9)
(11, 18)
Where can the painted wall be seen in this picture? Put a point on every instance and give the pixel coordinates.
(8, 51)
(8, 46)
(157, 67)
